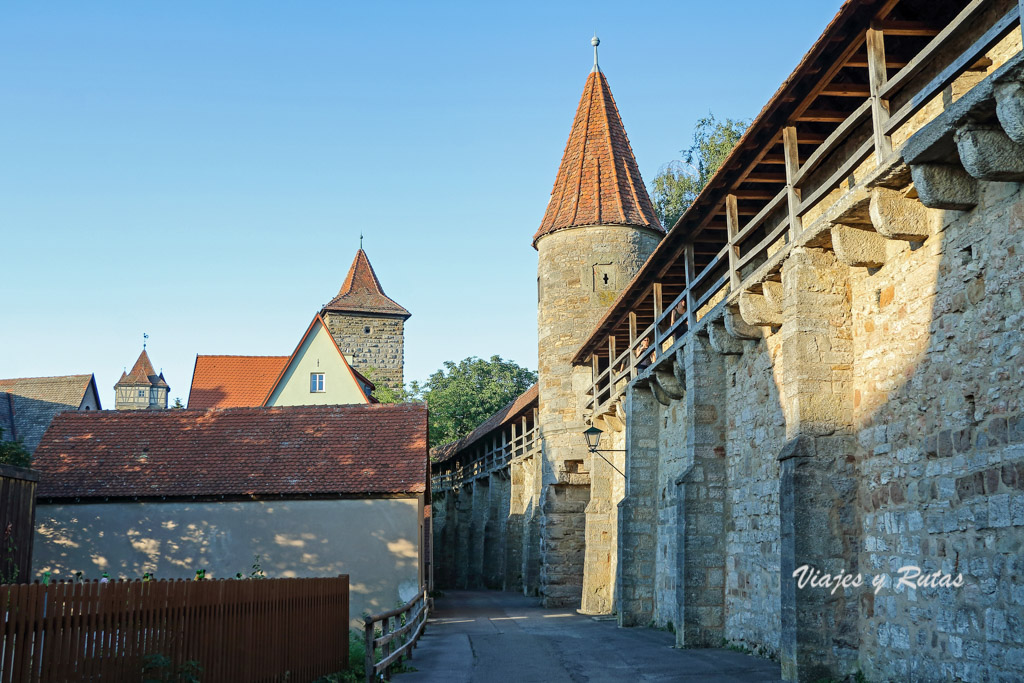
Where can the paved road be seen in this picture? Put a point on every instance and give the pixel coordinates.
(491, 636)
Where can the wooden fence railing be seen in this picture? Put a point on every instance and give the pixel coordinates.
(17, 521)
(490, 456)
(399, 630)
(772, 231)
(235, 630)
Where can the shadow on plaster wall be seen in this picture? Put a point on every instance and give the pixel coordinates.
(375, 542)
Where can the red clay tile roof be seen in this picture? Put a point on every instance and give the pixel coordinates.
(233, 381)
(299, 450)
(361, 292)
(598, 182)
(142, 373)
(510, 412)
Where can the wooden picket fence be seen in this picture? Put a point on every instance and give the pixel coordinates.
(237, 631)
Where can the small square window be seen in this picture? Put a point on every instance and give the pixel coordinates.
(316, 382)
(366, 330)
(142, 392)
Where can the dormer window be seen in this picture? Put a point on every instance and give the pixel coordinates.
(316, 383)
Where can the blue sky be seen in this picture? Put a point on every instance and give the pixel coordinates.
(202, 171)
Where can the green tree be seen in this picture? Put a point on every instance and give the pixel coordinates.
(386, 394)
(178, 405)
(464, 394)
(14, 453)
(679, 182)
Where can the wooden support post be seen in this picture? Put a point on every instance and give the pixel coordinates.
(877, 77)
(611, 358)
(632, 340)
(732, 227)
(791, 151)
(690, 275)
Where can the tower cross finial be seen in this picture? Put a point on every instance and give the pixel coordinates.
(144, 338)
(595, 41)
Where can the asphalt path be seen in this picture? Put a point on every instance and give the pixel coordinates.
(493, 636)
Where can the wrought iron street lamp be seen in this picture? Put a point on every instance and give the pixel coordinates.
(593, 437)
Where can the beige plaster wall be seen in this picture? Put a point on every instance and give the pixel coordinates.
(375, 542)
(317, 354)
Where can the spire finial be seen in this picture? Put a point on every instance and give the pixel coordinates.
(360, 239)
(595, 41)
(144, 338)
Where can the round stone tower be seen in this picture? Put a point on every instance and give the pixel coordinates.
(598, 230)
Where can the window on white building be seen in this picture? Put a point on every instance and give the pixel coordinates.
(316, 382)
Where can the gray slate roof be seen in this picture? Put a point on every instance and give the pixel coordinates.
(28, 404)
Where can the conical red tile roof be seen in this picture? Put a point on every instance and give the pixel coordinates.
(598, 182)
(361, 292)
(142, 373)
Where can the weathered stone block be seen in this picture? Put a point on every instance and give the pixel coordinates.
(944, 186)
(858, 247)
(897, 217)
(988, 154)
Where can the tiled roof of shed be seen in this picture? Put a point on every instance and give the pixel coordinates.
(233, 381)
(508, 413)
(598, 181)
(300, 450)
(361, 292)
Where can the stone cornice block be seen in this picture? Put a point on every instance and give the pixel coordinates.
(897, 217)
(855, 247)
(679, 367)
(659, 393)
(735, 325)
(666, 379)
(944, 186)
(987, 153)
(755, 309)
(1010, 110)
(722, 342)
(773, 293)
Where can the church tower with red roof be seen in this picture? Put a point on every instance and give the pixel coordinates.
(142, 388)
(368, 326)
(598, 230)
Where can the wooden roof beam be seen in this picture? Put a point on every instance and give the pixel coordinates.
(859, 90)
(823, 116)
(861, 62)
(779, 178)
(897, 27)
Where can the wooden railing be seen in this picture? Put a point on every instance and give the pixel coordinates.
(770, 233)
(227, 630)
(491, 455)
(394, 634)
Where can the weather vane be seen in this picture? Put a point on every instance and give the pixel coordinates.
(360, 239)
(144, 338)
